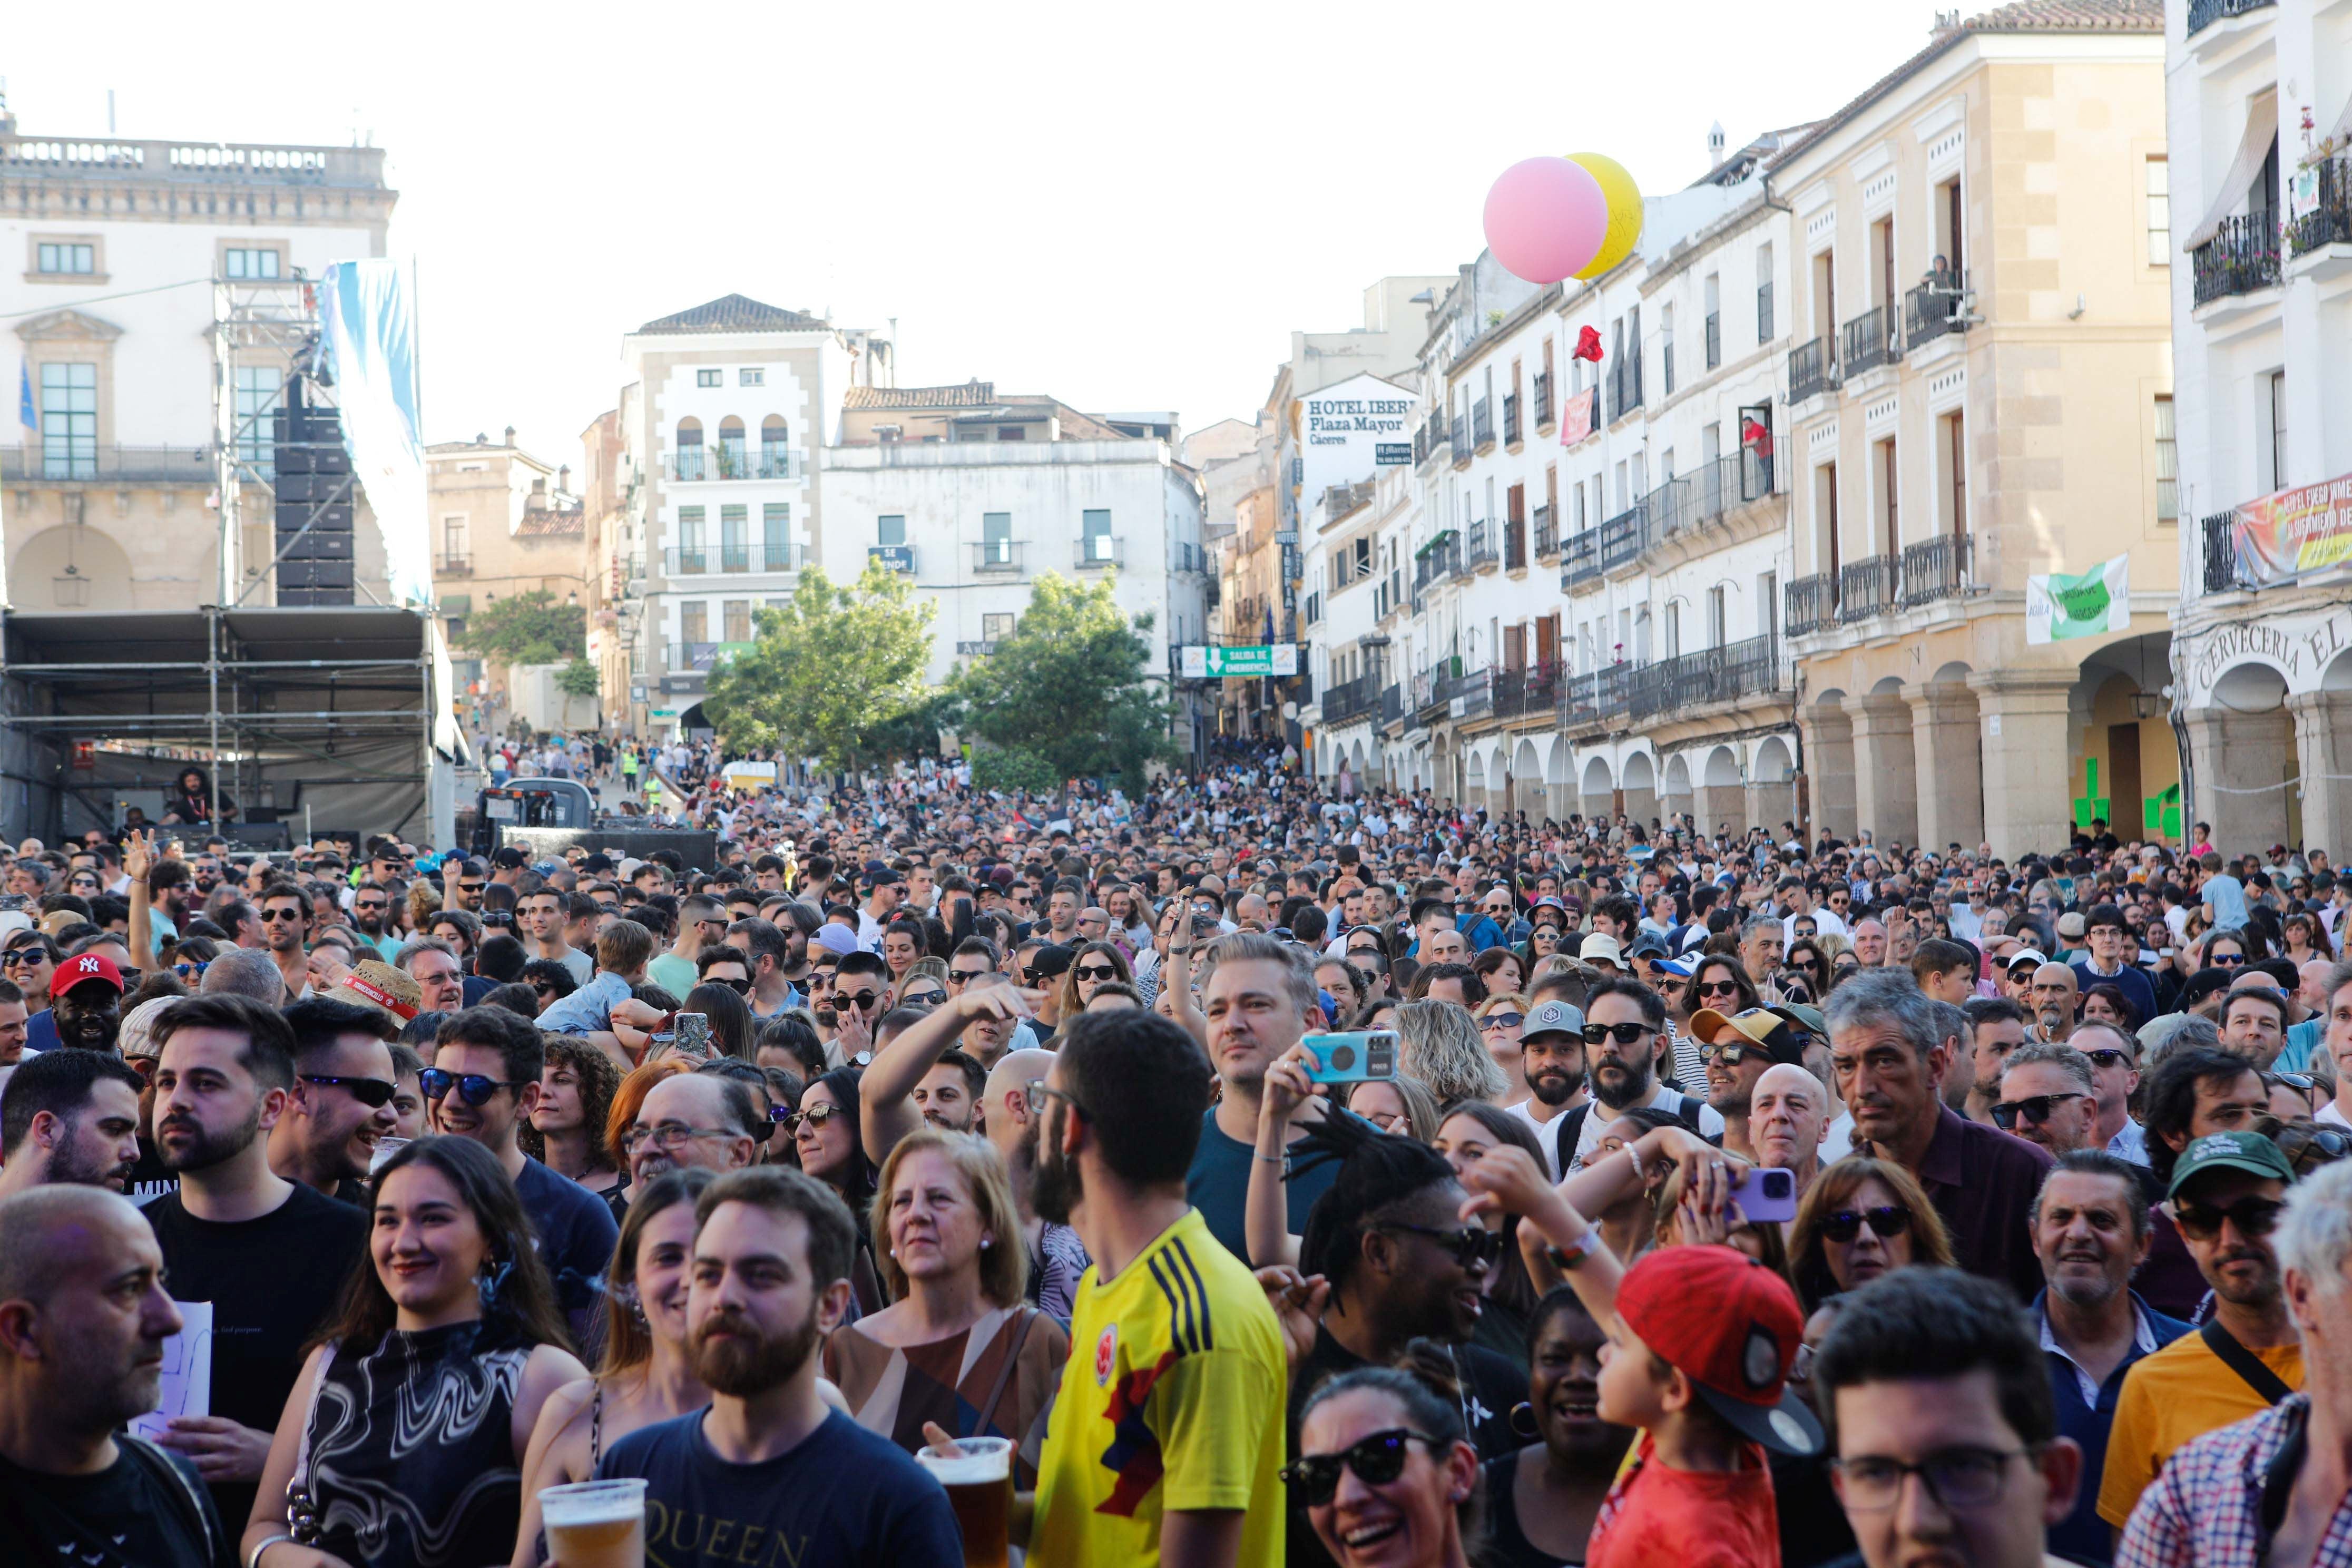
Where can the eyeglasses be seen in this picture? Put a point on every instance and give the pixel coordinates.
(1040, 1092)
(1623, 1034)
(1502, 1021)
(473, 1088)
(1377, 1460)
(1097, 971)
(1473, 1247)
(815, 1116)
(670, 1135)
(373, 1092)
(1887, 1222)
(1956, 1477)
(738, 985)
(2202, 1222)
(2035, 1108)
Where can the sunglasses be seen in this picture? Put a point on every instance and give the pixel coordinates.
(739, 985)
(1623, 1034)
(22, 956)
(372, 1092)
(2108, 1055)
(1887, 1222)
(544, 987)
(370, 906)
(2254, 1217)
(2225, 959)
(1473, 1247)
(815, 1116)
(190, 970)
(1377, 1460)
(964, 976)
(862, 1000)
(473, 1088)
(1718, 987)
(1097, 972)
(1502, 1020)
(2035, 1108)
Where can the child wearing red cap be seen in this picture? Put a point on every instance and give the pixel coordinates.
(1700, 1343)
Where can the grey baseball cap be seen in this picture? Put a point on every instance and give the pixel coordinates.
(1553, 1019)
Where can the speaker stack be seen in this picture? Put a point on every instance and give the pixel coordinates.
(315, 489)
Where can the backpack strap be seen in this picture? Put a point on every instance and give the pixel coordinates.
(2242, 1360)
(1566, 1130)
(194, 1510)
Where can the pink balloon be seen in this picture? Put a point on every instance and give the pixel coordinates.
(1546, 219)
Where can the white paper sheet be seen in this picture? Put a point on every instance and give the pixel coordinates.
(187, 1381)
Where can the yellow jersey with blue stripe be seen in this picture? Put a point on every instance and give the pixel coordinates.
(1172, 1399)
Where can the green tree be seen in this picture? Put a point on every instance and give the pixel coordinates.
(1071, 686)
(829, 672)
(577, 678)
(527, 628)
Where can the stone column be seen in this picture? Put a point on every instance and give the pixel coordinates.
(1944, 729)
(1829, 764)
(2323, 744)
(2025, 746)
(1885, 767)
(1724, 807)
(1640, 805)
(2237, 765)
(1770, 804)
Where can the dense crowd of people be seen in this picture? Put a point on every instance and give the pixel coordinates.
(1707, 1200)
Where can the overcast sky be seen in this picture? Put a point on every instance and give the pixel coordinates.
(1128, 208)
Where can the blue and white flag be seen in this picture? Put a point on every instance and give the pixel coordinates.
(25, 415)
(368, 321)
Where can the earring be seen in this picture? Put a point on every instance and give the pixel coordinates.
(986, 1242)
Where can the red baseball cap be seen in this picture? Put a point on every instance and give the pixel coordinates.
(89, 966)
(1731, 1326)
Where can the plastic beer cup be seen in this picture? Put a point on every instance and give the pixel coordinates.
(596, 1524)
(977, 1475)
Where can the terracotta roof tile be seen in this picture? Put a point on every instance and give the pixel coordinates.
(964, 395)
(734, 313)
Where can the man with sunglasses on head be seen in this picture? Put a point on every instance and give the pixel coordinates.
(2227, 1192)
(340, 1107)
(269, 1253)
(1737, 1052)
(774, 949)
(483, 1082)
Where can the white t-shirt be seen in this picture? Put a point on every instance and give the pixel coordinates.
(1542, 1129)
(1588, 1137)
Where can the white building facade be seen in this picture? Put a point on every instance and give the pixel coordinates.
(2257, 203)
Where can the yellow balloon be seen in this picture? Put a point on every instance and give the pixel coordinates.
(1624, 210)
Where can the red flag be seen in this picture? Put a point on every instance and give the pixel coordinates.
(1587, 344)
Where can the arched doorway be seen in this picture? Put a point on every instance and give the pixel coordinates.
(1722, 803)
(1773, 787)
(2242, 746)
(1641, 788)
(76, 567)
(1674, 792)
(1600, 794)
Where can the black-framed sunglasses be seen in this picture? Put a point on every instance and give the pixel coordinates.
(738, 985)
(815, 1116)
(473, 1088)
(1097, 971)
(373, 1092)
(1716, 987)
(2035, 1108)
(1377, 1460)
(2225, 959)
(1623, 1034)
(2109, 1055)
(1472, 1246)
(964, 976)
(1887, 1222)
(2255, 1217)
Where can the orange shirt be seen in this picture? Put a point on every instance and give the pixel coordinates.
(1691, 1519)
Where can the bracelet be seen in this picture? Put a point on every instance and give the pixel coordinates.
(253, 1558)
(1281, 1159)
(1567, 1258)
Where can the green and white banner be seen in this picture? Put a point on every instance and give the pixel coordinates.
(1204, 663)
(2060, 605)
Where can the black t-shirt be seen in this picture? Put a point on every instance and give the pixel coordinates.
(147, 1510)
(844, 1498)
(272, 1282)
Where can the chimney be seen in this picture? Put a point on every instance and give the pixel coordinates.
(1715, 140)
(510, 435)
(563, 478)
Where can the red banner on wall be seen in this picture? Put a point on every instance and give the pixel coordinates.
(2295, 533)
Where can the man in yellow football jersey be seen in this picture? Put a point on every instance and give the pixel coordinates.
(1166, 1442)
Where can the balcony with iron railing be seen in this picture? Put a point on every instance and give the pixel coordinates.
(1527, 689)
(2221, 573)
(1745, 669)
(1458, 440)
(1812, 370)
(1426, 699)
(1544, 414)
(1482, 424)
(1546, 532)
(1097, 551)
(2329, 221)
(1621, 538)
(1807, 605)
(1865, 588)
(453, 564)
(1464, 694)
(2242, 257)
(1624, 387)
(726, 463)
(1596, 697)
(1481, 554)
(998, 557)
(1511, 420)
(1350, 699)
(1579, 559)
(1935, 309)
(1936, 569)
(1391, 703)
(1873, 339)
(62, 459)
(702, 561)
(2203, 14)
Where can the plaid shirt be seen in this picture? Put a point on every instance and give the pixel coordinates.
(2205, 1509)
